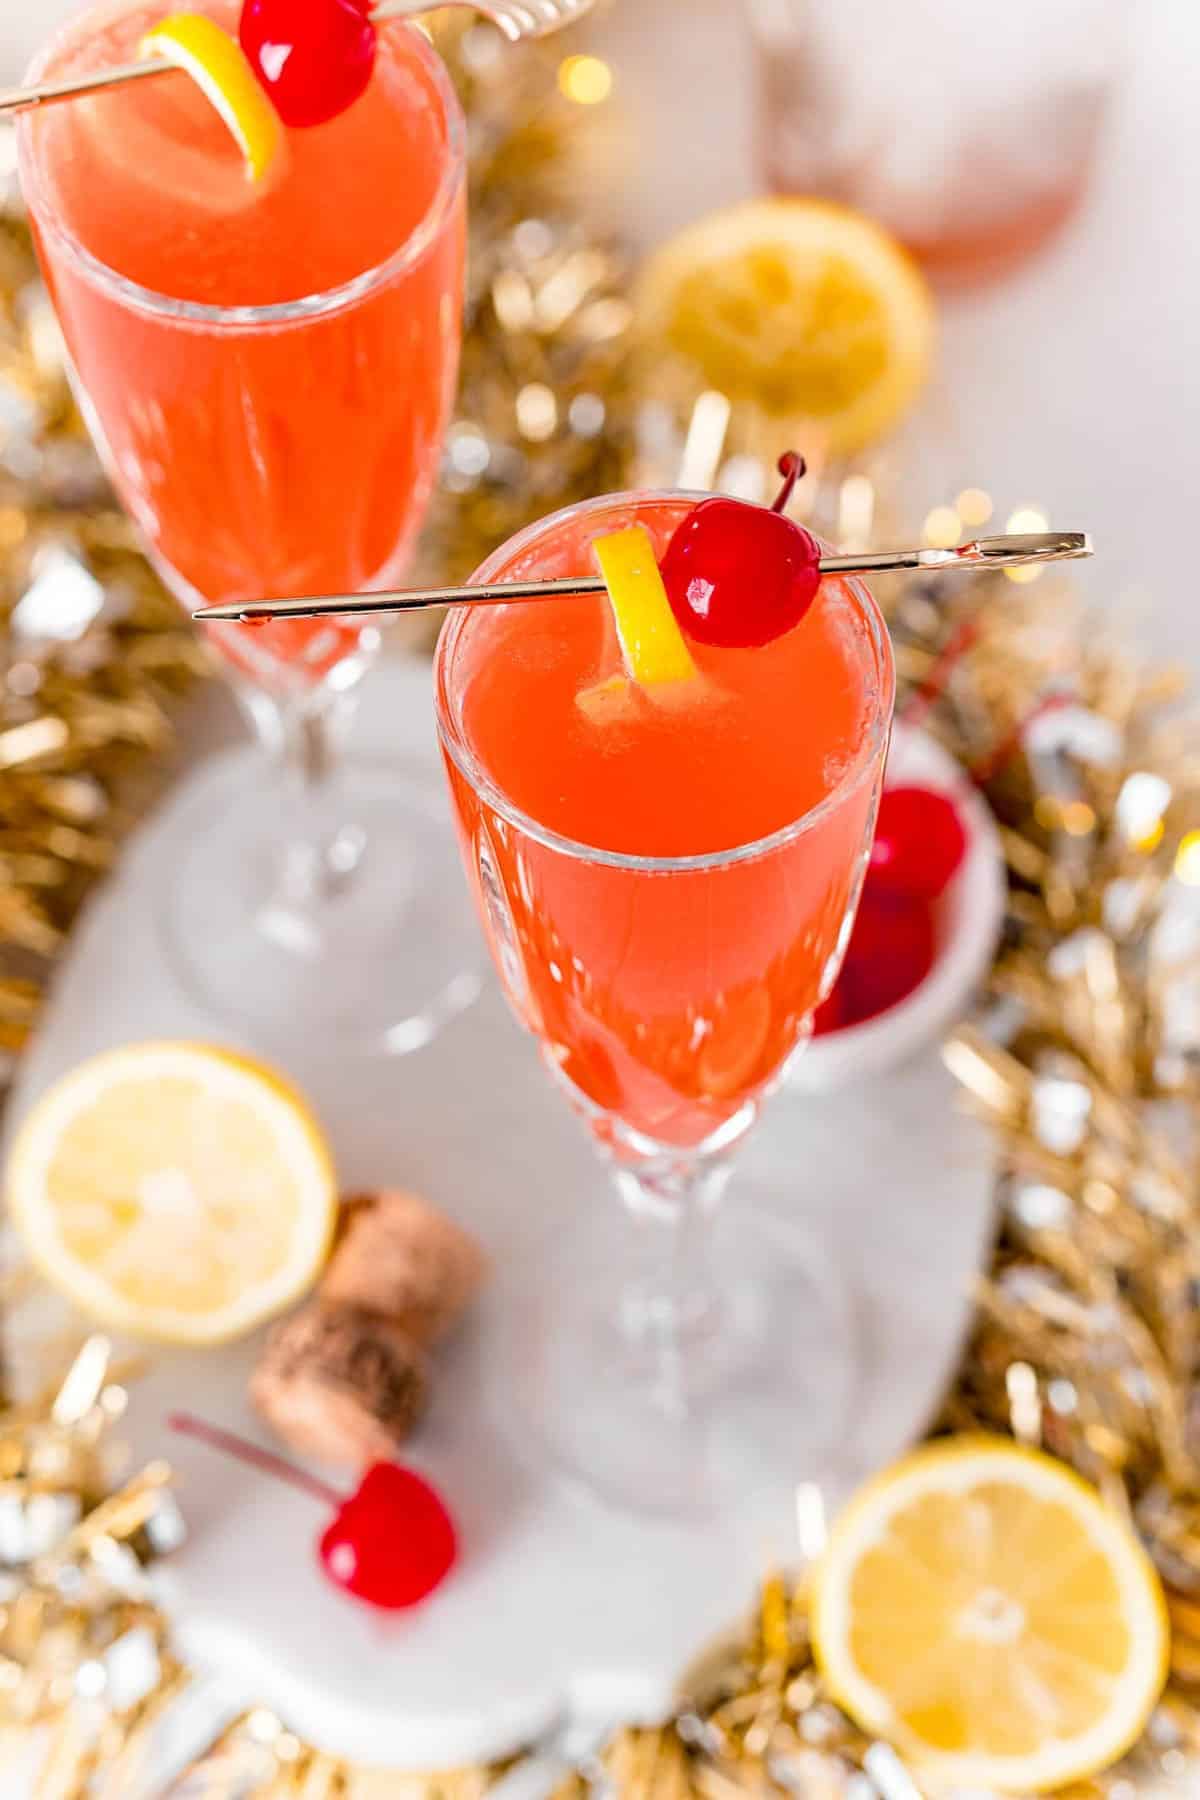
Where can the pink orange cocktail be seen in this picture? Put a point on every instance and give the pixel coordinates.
(268, 366)
(668, 973)
(667, 890)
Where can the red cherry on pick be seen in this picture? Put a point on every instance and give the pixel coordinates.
(314, 57)
(740, 575)
(920, 841)
(392, 1542)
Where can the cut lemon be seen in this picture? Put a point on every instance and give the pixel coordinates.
(221, 69)
(654, 649)
(174, 1191)
(981, 1607)
(804, 310)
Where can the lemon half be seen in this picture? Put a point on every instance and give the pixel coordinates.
(175, 1191)
(981, 1607)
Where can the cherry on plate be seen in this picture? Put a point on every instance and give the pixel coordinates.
(392, 1541)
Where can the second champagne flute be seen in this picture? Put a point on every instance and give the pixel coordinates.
(667, 890)
(268, 370)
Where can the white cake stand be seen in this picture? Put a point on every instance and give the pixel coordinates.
(559, 1605)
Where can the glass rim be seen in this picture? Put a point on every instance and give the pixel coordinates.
(274, 313)
(455, 745)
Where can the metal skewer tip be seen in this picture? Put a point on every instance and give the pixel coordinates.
(1004, 552)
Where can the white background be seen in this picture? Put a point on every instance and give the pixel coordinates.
(1076, 385)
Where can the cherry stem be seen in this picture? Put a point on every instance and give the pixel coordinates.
(934, 683)
(266, 1460)
(994, 761)
(791, 466)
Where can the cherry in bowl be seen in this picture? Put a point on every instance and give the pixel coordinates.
(918, 963)
(920, 842)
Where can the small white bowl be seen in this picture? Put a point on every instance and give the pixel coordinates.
(969, 920)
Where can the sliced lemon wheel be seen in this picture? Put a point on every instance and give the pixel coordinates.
(220, 67)
(174, 1191)
(804, 310)
(981, 1607)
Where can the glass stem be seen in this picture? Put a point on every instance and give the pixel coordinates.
(670, 1312)
(322, 848)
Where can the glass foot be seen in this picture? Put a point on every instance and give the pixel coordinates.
(373, 951)
(750, 1402)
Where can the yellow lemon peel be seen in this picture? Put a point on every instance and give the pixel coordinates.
(653, 648)
(224, 74)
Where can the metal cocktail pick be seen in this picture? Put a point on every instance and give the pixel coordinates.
(516, 19)
(1004, 552)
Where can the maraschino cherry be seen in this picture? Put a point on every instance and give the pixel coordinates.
(314, 57)
(739, 575)
(919, 843)
(891, 951)
(390, 1543)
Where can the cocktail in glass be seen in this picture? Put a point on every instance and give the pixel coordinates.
(667, 891)
(268, 369)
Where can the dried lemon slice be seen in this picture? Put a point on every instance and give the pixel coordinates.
(804, 311)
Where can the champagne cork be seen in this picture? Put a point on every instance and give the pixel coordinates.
(340, 1383)
(399, 1257)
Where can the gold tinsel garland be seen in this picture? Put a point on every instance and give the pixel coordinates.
(92, 653)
